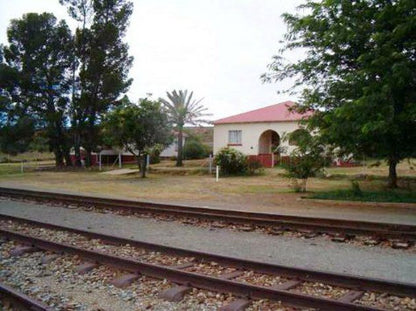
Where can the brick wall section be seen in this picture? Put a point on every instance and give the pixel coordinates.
(266, 159)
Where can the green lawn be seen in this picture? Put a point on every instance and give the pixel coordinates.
(7, 169)
(399, 196)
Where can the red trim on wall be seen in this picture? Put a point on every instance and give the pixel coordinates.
(264, 159)
(267, 160)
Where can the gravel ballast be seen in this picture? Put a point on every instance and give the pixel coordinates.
(60, 287)
(313, 253)
(65, 267)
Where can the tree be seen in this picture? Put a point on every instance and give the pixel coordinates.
(82, 12)
(182, 110)
(358, 75)
(34, 76)
(137, 128)
(104, 63)
(307, 159)
(16, 128)
(15, 137)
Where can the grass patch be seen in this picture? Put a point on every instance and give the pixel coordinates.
(396, 196)
(8, 169)
(26, 156)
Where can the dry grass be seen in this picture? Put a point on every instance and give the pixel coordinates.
(190, 189)
(186, 164)
(27, 156)
(264, 192)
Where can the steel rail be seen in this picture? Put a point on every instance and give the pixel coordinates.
(344, 280)
(191, 279)
(21, 299)
(329, 225)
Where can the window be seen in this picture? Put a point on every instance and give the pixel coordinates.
(234, 138)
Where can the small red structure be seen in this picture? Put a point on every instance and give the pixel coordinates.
(266, 159)
(269, 159)
(108, 157)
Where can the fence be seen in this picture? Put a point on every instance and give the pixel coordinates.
(25, 166)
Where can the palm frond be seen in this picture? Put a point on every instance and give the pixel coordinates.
(182, 108)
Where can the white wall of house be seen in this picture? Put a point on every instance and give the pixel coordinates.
(250, 135)
(172, 150)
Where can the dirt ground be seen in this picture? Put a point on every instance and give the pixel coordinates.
(270, 192)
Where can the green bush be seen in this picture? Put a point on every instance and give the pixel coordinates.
(355, 188)
(231, 161)
(306, 160)
(254, 167)
(194, 149)
(155, 153)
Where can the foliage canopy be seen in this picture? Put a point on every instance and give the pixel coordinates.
(35, 83)
(358, 74)
(100, 66)
(137, 128)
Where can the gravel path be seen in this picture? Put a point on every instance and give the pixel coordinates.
(395, 265)
(283, 203)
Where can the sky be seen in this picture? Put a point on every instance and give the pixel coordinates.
(216, 48)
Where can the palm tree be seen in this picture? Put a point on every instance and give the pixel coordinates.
(183, 110)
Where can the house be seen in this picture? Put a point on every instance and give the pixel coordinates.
(171, 151)
(259, 132)
(114, 156)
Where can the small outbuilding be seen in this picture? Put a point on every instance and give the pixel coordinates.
(259, 132)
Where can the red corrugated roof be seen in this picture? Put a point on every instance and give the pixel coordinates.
(273, 113)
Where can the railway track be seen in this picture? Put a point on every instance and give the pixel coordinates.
(20, 301)
(190, 268)
(284, 222)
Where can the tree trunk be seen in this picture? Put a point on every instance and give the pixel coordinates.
(77, 149)
(88, 158)
(180, 145)
(303, 184)
(299, 184)
(392, 179)
(59, 160)
(67, 156)
(75, 122)
(142, 162)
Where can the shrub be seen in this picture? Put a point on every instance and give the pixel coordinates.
(306, 160)
(355, 188)
(231, 161)
(154, 153)
(254, 167)
(304, 166)
(194, 149)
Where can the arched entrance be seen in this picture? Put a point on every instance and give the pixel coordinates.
(268, 142)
